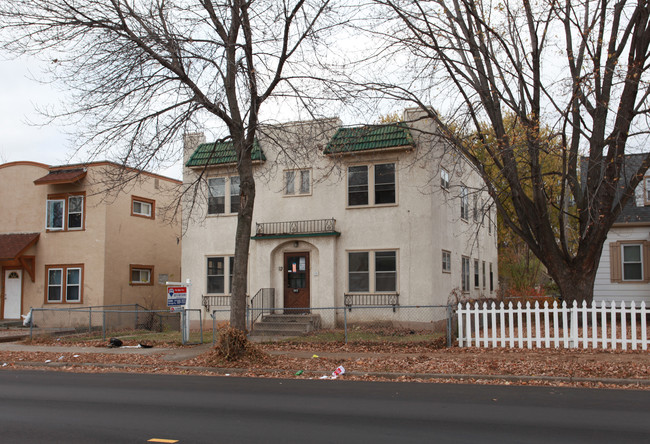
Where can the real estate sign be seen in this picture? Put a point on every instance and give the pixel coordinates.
(176, 296)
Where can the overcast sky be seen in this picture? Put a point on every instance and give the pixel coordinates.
(21, 138)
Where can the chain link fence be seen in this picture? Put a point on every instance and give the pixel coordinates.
(105, 320)
(348, 324)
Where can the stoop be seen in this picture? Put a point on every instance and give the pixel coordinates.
(283, 325)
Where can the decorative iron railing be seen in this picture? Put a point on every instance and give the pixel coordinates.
(370, 299)
(316, 226)
(215, 301)
(263, 301)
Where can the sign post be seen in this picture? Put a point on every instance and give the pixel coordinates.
(178, 299)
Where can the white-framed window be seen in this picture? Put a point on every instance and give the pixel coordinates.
(374, 184)
(444, 179)
(465, 273)
(223, 195)
(647, 190)
(477, 282)
(483, 270)
(446, 261)
(140, 274)
(64, 212)
(297, 182)
(464, 202)
(632, 257)
(491, 279)
(218, 269)
(372, 271)
(64, 283)
(143, 207)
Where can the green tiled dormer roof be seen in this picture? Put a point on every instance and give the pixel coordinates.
(370, 137)
(220, 153)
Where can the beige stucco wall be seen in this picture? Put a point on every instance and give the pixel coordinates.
(110, 240)
(425, 219)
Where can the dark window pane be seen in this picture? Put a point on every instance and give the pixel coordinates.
(217, 195)
(358, 185)
(359, 282)
(358, 261)
(54, 294)
(632, 271)
(72, 293)
(385, 183)
(234, 194)
(215, 284)
(385, 261)
(386, 281)
(216, 275)
(358, 273)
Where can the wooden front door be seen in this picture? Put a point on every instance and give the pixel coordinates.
(296, 282)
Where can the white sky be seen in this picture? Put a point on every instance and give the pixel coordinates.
(22, 133)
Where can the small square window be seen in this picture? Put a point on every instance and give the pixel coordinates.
(141, 274)
(142, 207)
(297, 182)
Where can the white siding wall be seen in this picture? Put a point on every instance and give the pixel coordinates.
(604, 288)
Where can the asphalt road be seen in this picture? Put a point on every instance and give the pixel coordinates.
(50, 407)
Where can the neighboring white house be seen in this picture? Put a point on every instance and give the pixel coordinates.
(372, 215)
(624, 270)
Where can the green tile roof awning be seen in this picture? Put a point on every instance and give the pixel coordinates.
(220, 153)
(370, 137)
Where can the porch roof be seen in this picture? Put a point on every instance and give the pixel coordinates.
(370, 137)
(13, 245)
(63, 176)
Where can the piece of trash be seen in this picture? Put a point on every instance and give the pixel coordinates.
(315, 356)
(339, 371)
(60, 357)
(75, 356)
(58, 339)
(324, 377)
(114, 342)
(299, 372)
(48, 360)
(4, 365)
(27, 319)
(227, 374)
(145, 345)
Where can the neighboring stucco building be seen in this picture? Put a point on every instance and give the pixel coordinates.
(65, 242)
(624, 270)
(372, 215)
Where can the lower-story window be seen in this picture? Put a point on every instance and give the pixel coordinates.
(217, 273)
(465, 273)
(64, 283)
(381, 265)
(141, 274)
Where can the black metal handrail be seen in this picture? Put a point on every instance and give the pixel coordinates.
(296, 227)
(371, 299)
(215, 301)
(263, 301)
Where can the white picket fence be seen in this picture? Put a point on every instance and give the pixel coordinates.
(600, 325)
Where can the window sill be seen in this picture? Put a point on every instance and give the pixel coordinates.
(141, 284)
(354, 207)
(217, 215)
(297, 195)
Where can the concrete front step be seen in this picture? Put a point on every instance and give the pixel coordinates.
(286, 325)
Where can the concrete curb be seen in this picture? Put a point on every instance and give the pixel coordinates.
(318, 373)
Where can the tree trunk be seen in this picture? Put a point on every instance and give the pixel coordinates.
(242, 242)
(575, 280)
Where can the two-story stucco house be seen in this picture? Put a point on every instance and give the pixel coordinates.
(65, 242)
(624, 270)
(377, 215)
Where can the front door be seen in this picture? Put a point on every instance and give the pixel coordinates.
(296, 282)
(13, 286)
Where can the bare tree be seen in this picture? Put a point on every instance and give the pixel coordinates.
(141, 72)
(578, 68)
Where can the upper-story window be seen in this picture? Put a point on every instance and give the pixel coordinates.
(143, 207)
(297, 182)
(371, 184)
(646, 195)
(464, 203)
(223, 195)
(65, 212)
(444, 179)
(632, 262)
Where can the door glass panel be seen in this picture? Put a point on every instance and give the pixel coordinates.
(296, 272)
